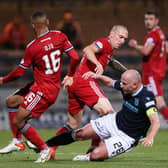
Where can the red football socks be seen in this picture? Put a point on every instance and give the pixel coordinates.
(16, 133)
(32, 135)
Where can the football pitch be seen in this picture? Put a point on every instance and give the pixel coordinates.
(140, 157)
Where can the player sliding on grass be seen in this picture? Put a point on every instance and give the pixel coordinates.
(119, 131)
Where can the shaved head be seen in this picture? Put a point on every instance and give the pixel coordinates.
(117, 36)
(117, 27)
(130, 81)
(132, 76)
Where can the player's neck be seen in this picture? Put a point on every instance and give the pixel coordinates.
(153, 29)
(42, 32)
(139, 88)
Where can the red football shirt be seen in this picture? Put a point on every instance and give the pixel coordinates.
(103, 56)
(45, 55)
(155, 63)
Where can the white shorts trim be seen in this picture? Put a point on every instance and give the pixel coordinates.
(152, 85)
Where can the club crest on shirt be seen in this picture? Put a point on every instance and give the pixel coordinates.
(136, 102)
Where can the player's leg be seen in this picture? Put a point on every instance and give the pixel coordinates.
(115, 141)
(161, 105)
(73, 121)
(155, 85)
(103, 106)
(13, 102)
(65, 138)
(33, 106)
(94, 97)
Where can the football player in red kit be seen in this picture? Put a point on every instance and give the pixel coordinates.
(87, 92)
(154, 59)
(45, 55)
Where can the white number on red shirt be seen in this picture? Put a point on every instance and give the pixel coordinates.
(55, 62)
(162, 48)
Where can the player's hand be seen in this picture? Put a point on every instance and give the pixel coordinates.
(1, 81)
(67, 81)
(132, 43)
(99, 69)
(88, 75)
(147, 142)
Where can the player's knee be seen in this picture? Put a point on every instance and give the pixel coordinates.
(106, 111)
(80, 135)
(9, 101)
(73, 125)
(13, 101)
(15, 122)
(96, 155)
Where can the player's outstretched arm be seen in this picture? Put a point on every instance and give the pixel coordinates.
(15, 74)
(116, 65)
(155, 124)
(104, 79)
(67, 81)
(143, 49)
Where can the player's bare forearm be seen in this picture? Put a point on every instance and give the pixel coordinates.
(155, 124)
(89, 52)
(116, 65)
(105, 80)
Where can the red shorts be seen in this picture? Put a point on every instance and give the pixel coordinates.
(154, 84)
(83, 92)
(36, 103)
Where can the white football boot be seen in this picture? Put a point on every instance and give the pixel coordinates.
(32, 146)
(14, 145)
(44, 155)
(82, 158)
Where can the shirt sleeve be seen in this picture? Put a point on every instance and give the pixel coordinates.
(24, 64)
(67, 44)
(15, 74)
(116, 85)
(151, 40)
(70, 51)
(99, 45)
(73, 62)
(26, 61)
(150, 105)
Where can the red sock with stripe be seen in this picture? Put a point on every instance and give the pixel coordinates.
(32, 135)
(16, 133)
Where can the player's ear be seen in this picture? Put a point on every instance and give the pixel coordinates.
(47, 22)
(33, 25)
(134, 85)
(157, 21)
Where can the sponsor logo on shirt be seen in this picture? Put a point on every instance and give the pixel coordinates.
(148, 104)
(130, 106)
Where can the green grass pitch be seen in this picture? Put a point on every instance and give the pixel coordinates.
(140, 157)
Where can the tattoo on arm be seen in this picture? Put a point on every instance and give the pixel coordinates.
(116, 65)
